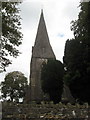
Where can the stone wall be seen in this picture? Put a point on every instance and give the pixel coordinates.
(45, 111)
(36, 93)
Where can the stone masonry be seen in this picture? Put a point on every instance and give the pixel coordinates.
(41, 52)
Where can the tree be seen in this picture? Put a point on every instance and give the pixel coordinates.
(76, 56)
(81, 27)
(14, 86)
(11, 36)
(52, 79)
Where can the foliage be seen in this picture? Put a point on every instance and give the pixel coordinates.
(76, 56)
(81, 27)
(52, 79)
(14, 86)
(11, 36)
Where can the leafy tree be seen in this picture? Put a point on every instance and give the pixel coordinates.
(14, 86)
(76, 56)
(52, 79)
(11, 36)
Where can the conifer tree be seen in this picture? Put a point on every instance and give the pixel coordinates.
(76, 56)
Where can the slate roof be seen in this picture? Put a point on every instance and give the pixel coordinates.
(42, 47)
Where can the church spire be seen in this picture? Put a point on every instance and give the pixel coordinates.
(42, 47)
(41, 10)
(42, 51)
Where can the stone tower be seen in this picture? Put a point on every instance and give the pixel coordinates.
(41, 51)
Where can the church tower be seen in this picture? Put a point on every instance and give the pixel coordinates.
(41, 51)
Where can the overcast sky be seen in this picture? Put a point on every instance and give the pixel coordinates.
(58, 15)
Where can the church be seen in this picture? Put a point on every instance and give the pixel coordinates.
(41, 52)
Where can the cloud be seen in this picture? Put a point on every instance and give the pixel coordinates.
(58, 15)
(60, 35)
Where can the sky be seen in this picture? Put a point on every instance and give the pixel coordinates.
(58, 16)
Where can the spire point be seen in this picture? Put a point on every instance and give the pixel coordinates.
(41, 13)
(42, 10)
